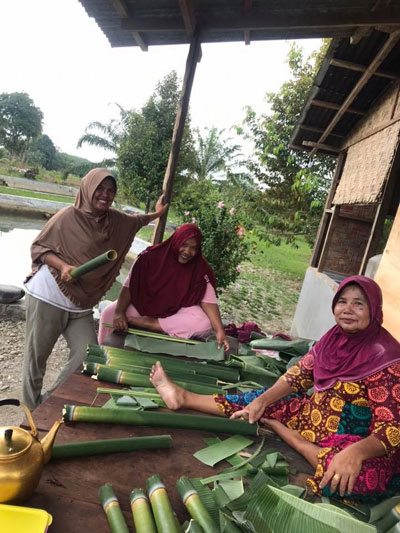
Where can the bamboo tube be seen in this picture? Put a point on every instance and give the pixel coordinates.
(80, 413)
(142, 515)
(155, 335)
(125, 392)
(194, 505)
(164, 515)
(97, 447)
(112, 509)
(97, 262)
(131, 357)
(90, 367)
(113, 375)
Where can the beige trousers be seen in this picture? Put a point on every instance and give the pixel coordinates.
(44, 324)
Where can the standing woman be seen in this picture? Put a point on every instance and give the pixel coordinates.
(56, 304)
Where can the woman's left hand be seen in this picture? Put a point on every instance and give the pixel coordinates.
(222, 340)
(343, 471)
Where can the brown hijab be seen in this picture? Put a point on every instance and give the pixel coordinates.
(78, 233)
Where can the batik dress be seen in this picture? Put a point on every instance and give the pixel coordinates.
(335, 418)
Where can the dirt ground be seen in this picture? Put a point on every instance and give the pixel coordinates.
(12, 336)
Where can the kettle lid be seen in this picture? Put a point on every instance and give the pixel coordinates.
(13, 441)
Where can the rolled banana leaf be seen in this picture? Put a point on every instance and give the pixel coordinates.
(164, 515)
(97, 262)
(141, 511)
(194, 505)
(112, 509)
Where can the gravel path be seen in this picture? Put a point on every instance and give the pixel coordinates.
(12, 336)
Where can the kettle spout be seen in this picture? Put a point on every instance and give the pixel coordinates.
(48, 441)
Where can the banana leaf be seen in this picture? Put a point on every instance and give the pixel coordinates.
(192, 527)
(233, 460)
(241, 503)
(273, 510)
(221, 450)
(286, 349)
(205, 350)
(207, 497)
(394, 529)
(382, 508)
(233, 488)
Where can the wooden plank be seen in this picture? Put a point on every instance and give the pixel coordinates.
(321, 146)
(178, 132)
(314, 129)
(331, 105)
(391, 42)
(122, 7)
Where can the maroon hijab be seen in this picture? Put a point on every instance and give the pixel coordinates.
(354, 356)
(160, 285)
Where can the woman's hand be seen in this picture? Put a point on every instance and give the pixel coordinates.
(343, 471)
(221, 339)
(120, 322)
(160, 208)
(65, 272)
(252, 412)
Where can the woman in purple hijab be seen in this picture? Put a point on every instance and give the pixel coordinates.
(348, 428)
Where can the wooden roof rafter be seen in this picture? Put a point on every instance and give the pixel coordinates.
(123, 9)
(361, 68)
(189, 21)
(247, 5)
(391, 42)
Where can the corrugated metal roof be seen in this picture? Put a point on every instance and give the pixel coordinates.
(160, 22)
(333, 84)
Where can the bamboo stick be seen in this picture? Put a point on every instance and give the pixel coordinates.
(194, 505)
(112, 509)
(142, 515)
(97, 262)
(113, 375)
(210, 369)
(164, 515)
(155, 335)
(78, 413)
(99, 447)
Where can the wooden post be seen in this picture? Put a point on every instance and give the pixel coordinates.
(190, 70)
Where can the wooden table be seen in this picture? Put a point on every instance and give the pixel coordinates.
(68, 488)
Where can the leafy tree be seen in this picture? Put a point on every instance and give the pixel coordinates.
(144, 151)
(213, 154)
(292, 187)
(20, 122)
(42, 151)
(107, 136)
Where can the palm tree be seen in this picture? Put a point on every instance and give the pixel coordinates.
(107, 136)
(214, 154)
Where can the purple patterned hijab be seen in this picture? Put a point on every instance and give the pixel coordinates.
(354, 356)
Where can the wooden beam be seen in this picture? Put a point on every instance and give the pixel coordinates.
(360, 32)
(189, 20)
(331, 105)
(391, 42)
(122, 8)
(258, 20)
(314, 129)
(177, 134)
(247, 5)
(361, 68)
(320, 146)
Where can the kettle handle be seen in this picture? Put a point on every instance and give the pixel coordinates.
(17, 403)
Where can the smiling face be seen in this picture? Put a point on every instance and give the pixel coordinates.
(352, 310)
(104, 195)
(187, 251)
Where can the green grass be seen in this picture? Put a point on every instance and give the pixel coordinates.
(34, 194)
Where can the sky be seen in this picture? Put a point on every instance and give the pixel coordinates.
(55, 53)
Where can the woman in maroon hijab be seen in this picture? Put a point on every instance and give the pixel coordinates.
(170, 289)
(349, 427)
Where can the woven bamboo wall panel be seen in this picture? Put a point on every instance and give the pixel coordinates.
(387, 278)
(367, 167)
(379, 113)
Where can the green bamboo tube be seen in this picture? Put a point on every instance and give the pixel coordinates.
(113, 375)
(125, 392)
(81, 413)
(142, 515)
(97, 262)
(164, 515)
(110, 354)
(112, 509)
(91, 367)
(194, 505)
(98, 447)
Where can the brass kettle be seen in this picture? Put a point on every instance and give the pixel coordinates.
(22, 457)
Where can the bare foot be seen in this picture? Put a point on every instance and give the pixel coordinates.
(172, 395)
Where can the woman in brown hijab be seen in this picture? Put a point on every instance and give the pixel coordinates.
(55, 303)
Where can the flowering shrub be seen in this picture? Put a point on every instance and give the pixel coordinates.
(224, 245)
